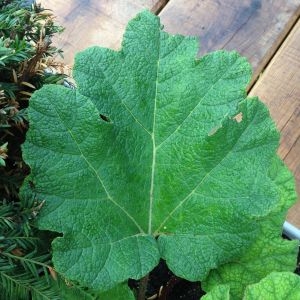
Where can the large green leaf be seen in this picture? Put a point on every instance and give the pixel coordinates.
(269, 252)
(118, 292)
(145, 159)
(276, 286)
(219, 292)
(68, 291)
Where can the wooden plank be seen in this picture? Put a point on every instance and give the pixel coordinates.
(254, 28)
(93, 22)
(279, 88)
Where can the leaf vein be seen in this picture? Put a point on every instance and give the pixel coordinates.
(203, 179)
(109, 197)
(197, 105)
(154, 149)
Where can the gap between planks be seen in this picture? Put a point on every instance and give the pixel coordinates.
(278, 87)
(159, 6)
(274, 51)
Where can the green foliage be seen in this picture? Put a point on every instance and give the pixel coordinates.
(25, 50)
(155, 163)
(26, 270)
(26, 30)
(284, 285)
(269, 252)
(219, 292)
(275, 286)
(23, 263)
(118, 292)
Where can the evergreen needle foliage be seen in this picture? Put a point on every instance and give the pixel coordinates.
(26, 51)
(24, 263)
(26, 30)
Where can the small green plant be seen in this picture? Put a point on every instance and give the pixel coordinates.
(158, 155)
(26, 50)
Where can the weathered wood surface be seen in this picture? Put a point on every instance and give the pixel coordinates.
(279, 88)
(254, 28)
(93, 22)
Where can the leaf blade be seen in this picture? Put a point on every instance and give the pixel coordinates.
(152, 150)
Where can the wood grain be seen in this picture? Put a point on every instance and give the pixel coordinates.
(255, 28)
(279, 88)
(93, 22)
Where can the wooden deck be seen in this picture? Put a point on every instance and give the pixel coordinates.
(266, 32)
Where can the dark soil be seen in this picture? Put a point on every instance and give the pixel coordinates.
(164, 285)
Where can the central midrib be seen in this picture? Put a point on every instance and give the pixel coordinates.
(153, 144)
